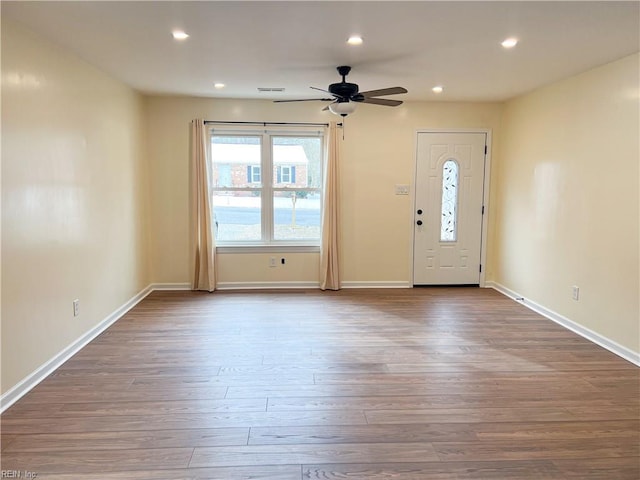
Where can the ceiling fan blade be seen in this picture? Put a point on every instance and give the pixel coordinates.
(323, 90)
(384, 91)
(327, 107)
(382, 101)
(306, 100)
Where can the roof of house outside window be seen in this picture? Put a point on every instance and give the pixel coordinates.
(237, 153)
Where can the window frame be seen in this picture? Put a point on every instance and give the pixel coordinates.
(266, 188)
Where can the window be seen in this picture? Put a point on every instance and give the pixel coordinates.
(449, 205)
(266, 188)
(253, 174)
(286, 174)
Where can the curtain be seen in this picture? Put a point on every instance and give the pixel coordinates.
(203, 234)
(329, 247)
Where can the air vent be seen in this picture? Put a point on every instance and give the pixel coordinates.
(271, 89)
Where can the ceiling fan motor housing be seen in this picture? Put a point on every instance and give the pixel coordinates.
(343, 89)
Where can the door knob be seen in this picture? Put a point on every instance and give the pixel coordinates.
(419, 222)
(419, 211)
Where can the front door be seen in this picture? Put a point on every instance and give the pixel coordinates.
(448, 208)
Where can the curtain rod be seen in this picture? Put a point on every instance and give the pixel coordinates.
(264, 124)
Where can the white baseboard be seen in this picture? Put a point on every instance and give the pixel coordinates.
(280, 285)
(170, 286)
(25, 385)
(389, 284)
(265, 285)
(604, 342)
(289, 285)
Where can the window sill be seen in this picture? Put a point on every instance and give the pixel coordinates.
(231, 249)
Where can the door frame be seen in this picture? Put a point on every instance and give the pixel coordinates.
(485, 195)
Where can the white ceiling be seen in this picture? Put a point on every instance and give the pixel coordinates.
(295, 45)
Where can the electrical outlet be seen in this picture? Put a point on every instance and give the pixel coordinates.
(76, 307)
(575, 293)
(272, 262)
(282, 261)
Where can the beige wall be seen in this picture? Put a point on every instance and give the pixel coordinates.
(567, 197)
(377, 153)
(73, 200)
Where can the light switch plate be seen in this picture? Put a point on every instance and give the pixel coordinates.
(402, 189)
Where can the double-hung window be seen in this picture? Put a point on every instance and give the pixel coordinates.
(266, 187)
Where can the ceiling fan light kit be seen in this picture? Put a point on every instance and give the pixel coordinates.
(345, 95)
(342, 108)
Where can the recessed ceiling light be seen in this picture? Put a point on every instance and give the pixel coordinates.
(355, 40)
(218, 85)
(179, 35)
(437, 89)
(509, 42)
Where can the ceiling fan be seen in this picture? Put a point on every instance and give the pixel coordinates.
(345, 95)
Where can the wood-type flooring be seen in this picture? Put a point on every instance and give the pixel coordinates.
(388, 384)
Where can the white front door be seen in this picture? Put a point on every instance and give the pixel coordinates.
(448, 208)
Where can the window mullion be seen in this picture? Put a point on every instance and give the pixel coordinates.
(267, 189)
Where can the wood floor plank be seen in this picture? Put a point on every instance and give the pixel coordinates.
(227, 380)
(22, 410)
(397, 389)
(96, 461)
(418, 402)
(57, 395)
(612, 412)
(467, 415)
(507, 470)
(262, 472)
(312, 453)
(280, 369)
(6, 440)
(153, 371)
(536, 449)
(490, 364)
(128, 440)
(592, 468)
(165, 407)
(444, 432)
(137, 407)
(452, 378)
(398, 384)
(571, 430)
(106, 423)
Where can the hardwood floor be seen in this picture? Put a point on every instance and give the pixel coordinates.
(420, 384)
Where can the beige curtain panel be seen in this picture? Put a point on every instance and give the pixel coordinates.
(330, 245)
(204, 277)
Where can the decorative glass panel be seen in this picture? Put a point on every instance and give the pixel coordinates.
(448, 225)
